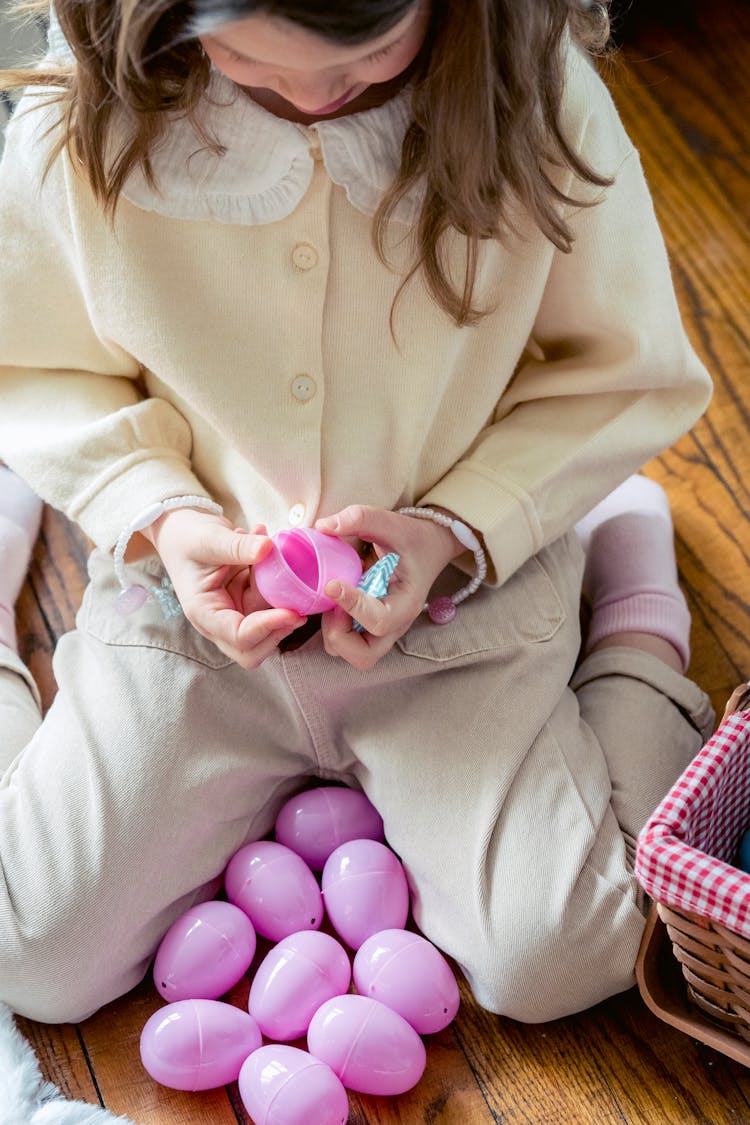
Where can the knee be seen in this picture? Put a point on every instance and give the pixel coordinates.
(45, 1005)
(53, 978)
(542, 975)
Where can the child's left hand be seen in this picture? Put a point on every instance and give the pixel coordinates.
(424, 548)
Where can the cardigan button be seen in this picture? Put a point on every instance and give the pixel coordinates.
(304, 388)
(304, 256)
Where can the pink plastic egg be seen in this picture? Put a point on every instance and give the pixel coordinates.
(198, 1044)
(205, 952)
(370, 1047)
(287, 1086)
(318, 821)
(364, 890)
(275, 888)
(407, 973)
(294, 574)
(294, 979)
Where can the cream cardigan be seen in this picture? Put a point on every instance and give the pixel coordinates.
(229, 336)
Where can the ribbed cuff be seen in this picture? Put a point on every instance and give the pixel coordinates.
(663, 615)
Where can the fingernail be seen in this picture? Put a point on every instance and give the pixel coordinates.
(328, 523)
(334, 589)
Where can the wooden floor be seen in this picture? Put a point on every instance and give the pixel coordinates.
(682, 82)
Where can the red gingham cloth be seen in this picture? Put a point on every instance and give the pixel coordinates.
(687, 847)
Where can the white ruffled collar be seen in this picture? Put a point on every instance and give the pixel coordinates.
(267, 163)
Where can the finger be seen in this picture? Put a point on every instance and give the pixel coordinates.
(260, 651)
(244, 637)
(361, 650)
(255, 656)
(245, 595)
(372, 614)
(256, 529)
(374, 525)
(256, 627)
(224, 546)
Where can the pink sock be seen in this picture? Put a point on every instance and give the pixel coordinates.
(630, 579)
(20, 517)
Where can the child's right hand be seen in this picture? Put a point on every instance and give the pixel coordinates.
(210, 565)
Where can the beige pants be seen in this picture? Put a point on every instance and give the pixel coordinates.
(511, 785)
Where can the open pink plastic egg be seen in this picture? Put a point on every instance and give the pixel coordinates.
(407, 973)
(204, 953)
(364, 890)
(275, 888)
(302, 561)
(317, 821)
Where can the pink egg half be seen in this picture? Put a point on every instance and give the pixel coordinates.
(318, 821)
(275, 888)
(294, 574)
(370, 1047)
(286, 1086)
(407, 973)
(205, 952)
(364, 890)
(294, 979)
(198, 1044)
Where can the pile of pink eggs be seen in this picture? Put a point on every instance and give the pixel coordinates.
(368, 1040)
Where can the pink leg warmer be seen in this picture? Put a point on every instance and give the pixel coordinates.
(630, 579)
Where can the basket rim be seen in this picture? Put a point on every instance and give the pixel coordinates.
(664, 992)
(707, 808)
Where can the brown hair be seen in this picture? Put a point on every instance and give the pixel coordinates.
(486, 126)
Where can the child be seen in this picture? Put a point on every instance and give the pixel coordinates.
(276, 264)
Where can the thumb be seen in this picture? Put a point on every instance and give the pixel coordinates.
(226, 546)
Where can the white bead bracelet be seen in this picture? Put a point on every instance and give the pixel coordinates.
(442, 610)
(132, 596)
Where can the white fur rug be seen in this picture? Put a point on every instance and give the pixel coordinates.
(26, 1099)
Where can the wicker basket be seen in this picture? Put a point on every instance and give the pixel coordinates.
(693, 967)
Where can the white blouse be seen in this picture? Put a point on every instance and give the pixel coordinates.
(266, 164)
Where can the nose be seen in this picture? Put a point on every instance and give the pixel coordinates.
(311, 96)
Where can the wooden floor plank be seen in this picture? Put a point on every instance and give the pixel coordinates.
(62, 1059)
(111, 1039)
(678, 97)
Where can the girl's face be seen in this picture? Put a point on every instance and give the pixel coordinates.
(296, 74)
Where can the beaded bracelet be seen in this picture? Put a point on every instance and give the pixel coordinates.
(132, 595)
(442, 610)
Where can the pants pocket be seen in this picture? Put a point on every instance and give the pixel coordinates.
(148, 627)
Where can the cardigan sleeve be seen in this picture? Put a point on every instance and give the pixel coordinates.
(608, 378)
(73, 420)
